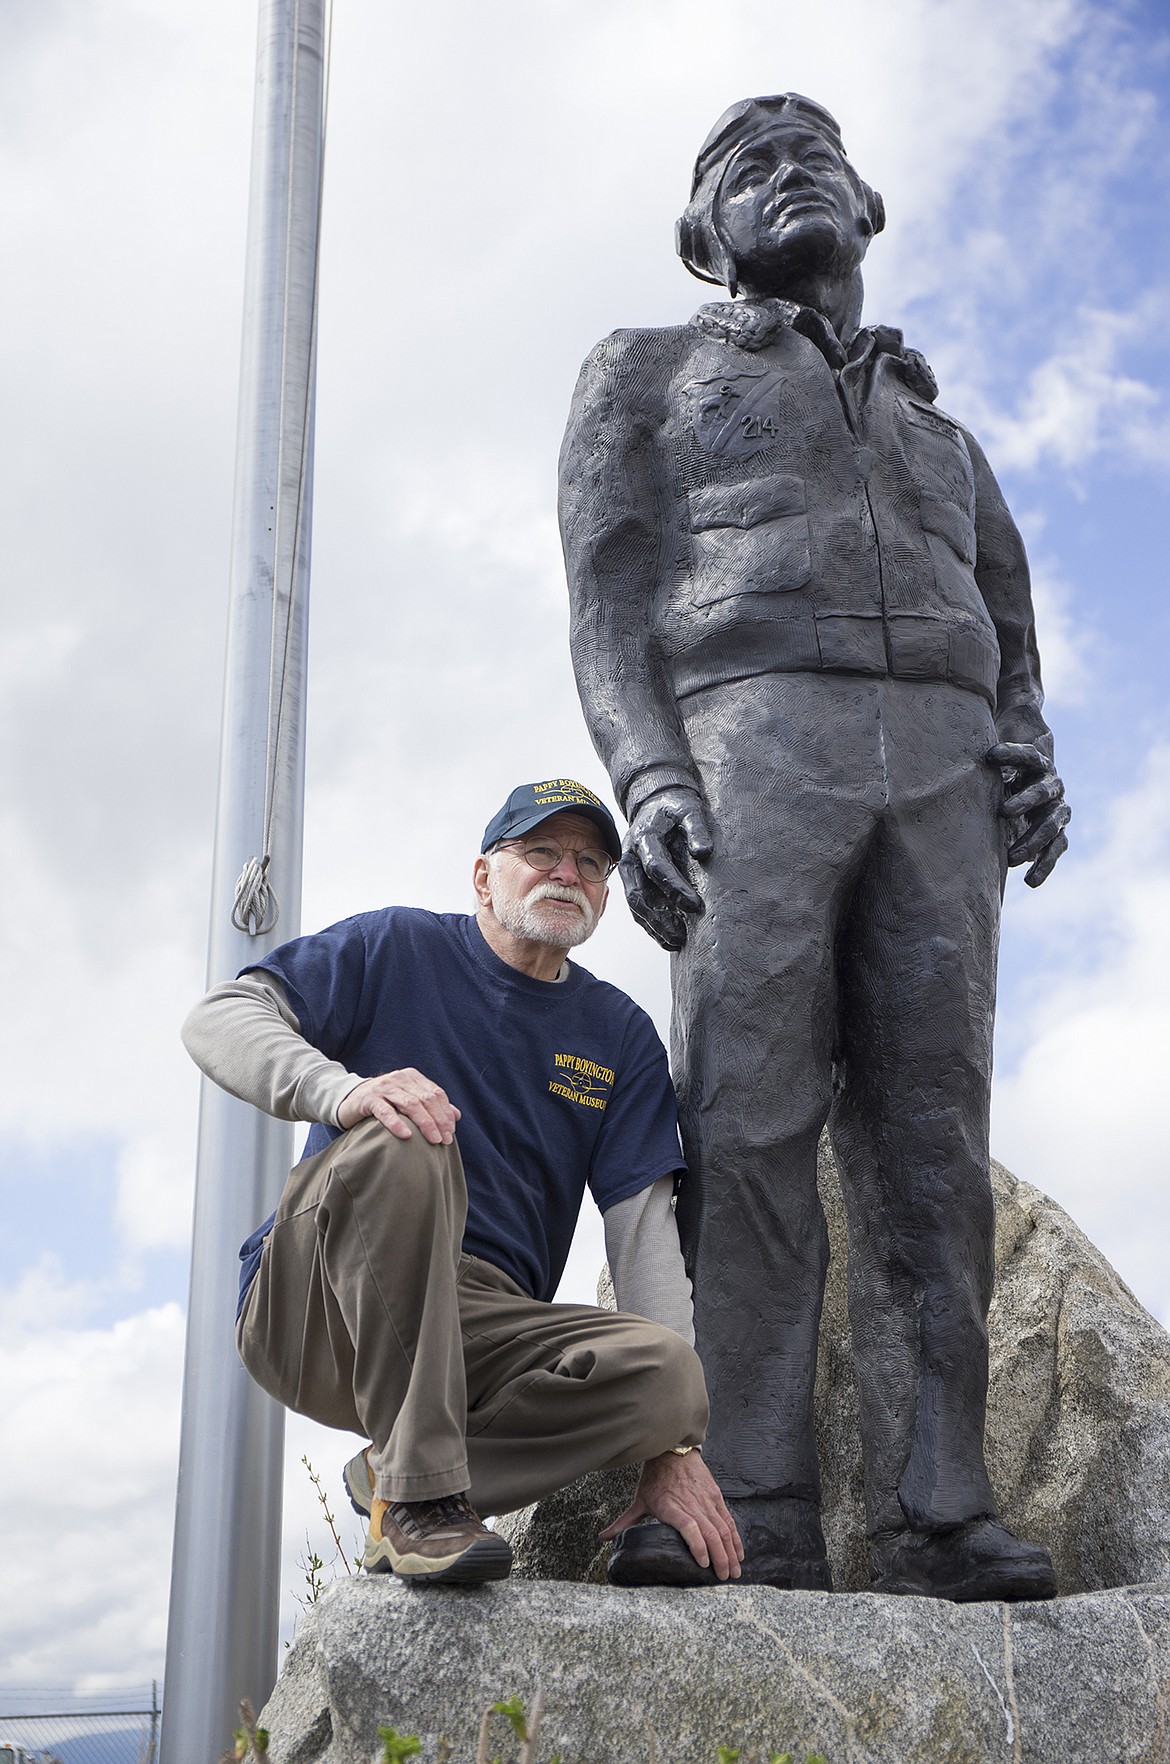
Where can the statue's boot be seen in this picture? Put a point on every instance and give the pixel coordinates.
(782, 1539)
(783, 1543)
(979, 1560)
(652, 1553)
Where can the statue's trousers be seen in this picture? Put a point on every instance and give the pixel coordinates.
(843, 969)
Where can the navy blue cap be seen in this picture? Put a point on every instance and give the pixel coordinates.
(530, 804)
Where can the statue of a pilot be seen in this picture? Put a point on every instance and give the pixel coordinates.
(803, 637)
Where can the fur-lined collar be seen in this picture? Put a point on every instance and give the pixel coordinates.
(754, 324)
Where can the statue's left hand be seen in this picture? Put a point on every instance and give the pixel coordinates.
(1033, 797)
(670, 827)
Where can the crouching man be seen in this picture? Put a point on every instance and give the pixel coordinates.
(467, 1081)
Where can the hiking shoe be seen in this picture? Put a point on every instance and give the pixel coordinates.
(442, 1541)
(359, 1483)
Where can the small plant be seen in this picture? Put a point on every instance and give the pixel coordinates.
(314, 1569)
(513, 1709)
(733, 1755)
(396, 1747)
(312, 1563)
(525, 1728)
(350, 1567)
(250, 1741)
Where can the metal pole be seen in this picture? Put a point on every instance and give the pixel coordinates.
(222, 1634)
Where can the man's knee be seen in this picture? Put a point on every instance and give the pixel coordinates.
(377, 1198)
(369, 1159)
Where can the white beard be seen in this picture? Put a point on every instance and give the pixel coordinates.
(521, 914)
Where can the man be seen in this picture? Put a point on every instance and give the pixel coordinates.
(803, 637)
(401, 1289)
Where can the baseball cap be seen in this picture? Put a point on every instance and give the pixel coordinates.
(530, 804)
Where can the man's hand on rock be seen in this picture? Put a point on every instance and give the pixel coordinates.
(682, 1492)
(398, 1098)
(1033, 797)
(667, 830)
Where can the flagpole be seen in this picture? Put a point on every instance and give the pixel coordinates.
(225, 1583)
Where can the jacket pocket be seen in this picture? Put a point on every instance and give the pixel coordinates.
(749, 539)
(938, 454)
(950, 522)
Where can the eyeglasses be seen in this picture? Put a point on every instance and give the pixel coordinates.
(546, 854)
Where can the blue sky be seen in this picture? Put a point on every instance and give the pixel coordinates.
(501, 189)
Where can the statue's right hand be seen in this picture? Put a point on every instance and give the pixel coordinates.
(669, 828)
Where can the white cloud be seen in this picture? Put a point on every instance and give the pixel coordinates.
(1081, 1111)
(28, 658)
(501, 513)
(94, 1050)
(1064, 641)
(87, 1478)
(1079, 402)
(1025, 274)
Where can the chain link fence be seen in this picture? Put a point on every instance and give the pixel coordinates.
(54, 1727)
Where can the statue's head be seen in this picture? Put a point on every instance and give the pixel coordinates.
(774, 200)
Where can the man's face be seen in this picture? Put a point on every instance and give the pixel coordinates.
(557, 906)
(789, 206)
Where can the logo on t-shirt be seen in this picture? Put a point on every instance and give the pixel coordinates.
(580, 1080)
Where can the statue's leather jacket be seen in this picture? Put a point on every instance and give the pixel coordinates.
(732, 510)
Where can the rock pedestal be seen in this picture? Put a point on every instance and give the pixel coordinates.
(1078, 1439)
(665, 1677)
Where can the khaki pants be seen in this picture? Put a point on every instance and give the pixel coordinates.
(366, 1315)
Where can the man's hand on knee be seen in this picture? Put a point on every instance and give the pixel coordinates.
(398, 1098)
(682, 1492)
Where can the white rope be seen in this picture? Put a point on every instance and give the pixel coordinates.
(256, 908)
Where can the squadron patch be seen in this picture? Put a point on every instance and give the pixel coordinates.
(735, 415)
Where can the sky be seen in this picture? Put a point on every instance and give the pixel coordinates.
(501, 188)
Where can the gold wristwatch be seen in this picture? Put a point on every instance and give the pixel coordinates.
(681, 1451)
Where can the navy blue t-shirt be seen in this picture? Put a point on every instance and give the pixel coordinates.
(560, 1083)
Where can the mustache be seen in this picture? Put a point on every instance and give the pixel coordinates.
(561, 891)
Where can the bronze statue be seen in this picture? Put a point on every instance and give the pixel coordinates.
(802, 630)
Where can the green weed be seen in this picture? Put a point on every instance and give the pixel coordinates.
(249, 1741)
(397, 1747)
(734, 1755)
